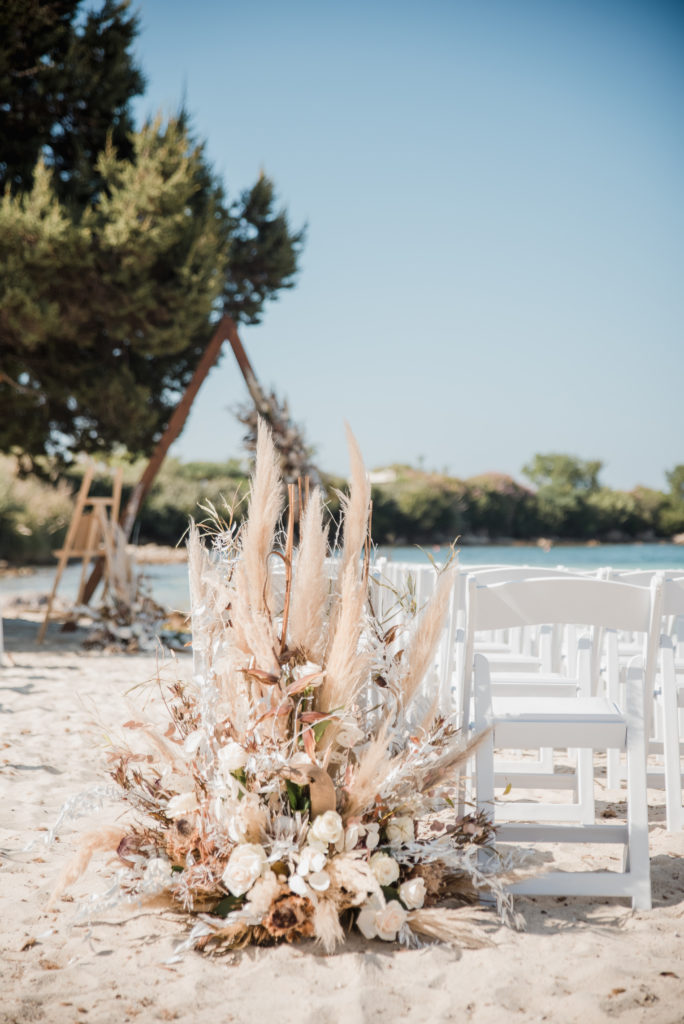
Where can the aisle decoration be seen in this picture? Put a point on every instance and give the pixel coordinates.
(306, 781)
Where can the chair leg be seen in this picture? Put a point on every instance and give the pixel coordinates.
(585, 785)
(671, 750)
(637, 798)
(484, 755)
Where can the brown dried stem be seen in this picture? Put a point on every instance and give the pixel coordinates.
(289, 545)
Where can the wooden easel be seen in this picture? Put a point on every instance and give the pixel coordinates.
(86, 533)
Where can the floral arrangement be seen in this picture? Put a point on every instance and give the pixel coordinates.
(306, 781)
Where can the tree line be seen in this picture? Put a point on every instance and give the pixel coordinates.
(563, 501)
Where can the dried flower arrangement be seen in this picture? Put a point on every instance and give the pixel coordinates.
(303, 783)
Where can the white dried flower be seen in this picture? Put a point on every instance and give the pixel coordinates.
(412, 893)
(298, 885)
(372, 835)
(232, 757)
(348, 735)
(389, 920)
(309, 668)
(317, 844)
(192, 741)
(245, 865)
(248, 819)
(399, 830)
(385, 868)
(157, 875)
(262, 894)
(351, 837)
(311, 859)
(327, 828)
(319, 881)
(182, 804)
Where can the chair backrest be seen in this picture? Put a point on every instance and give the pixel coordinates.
(673, 596)
(578, 600)
(508, 573)
(565, 601)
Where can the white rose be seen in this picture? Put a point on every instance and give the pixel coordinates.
(245, 865)
(327, 828)
(348, 735)
(389, 920)
(412, 893)
(399, 830)
(385, 868)
(319, 881)
(372, 835)
(179, 806)
(365, 922)
(232, 757)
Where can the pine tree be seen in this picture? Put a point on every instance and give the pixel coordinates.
(66, 83)
(103, 319)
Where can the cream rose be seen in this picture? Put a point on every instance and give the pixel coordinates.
(365, 922)
(412, 893)
(327, 828)
(399, 830)
(385, 868)
(245, 865)
(389, 920)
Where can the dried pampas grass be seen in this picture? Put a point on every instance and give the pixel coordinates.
(290, 795)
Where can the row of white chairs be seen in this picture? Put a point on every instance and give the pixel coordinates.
(502, 663)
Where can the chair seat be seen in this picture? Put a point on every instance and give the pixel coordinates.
(558, 721)
(538, 685)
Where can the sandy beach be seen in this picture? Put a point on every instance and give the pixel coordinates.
(578, 960)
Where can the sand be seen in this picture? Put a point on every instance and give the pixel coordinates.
(579, 960)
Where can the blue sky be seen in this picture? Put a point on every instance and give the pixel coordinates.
(493, 194)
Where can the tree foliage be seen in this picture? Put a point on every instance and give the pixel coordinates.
(118, 249)
(103, 319)
(66, 84)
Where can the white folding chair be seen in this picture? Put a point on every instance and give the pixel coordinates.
(584, 722)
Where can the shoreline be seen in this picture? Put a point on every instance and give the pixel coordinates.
(159, 554)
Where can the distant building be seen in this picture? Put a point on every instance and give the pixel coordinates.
(382, 476)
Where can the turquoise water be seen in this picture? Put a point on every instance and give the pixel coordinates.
(571, 556)
(169, 583)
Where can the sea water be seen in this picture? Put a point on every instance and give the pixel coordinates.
(169, 583)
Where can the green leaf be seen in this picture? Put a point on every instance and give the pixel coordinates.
(227, 905)
(318, 730)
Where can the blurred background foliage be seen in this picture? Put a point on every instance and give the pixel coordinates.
(410, 506)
